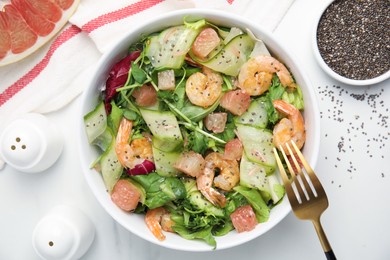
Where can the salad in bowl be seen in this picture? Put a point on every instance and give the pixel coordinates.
(183, 127)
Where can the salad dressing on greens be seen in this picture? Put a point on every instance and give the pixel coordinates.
(186, 128)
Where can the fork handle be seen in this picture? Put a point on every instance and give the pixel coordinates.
(324, 240)
(330, 255)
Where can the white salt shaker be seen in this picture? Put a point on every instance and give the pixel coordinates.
(65, 233)
(30, 143)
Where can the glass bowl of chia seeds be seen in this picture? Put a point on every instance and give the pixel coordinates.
(351, 41)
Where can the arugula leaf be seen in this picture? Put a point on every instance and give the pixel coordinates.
(196, 142)
(137, 73)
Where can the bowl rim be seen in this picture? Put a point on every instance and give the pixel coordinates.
(325, 67)
(232, 18)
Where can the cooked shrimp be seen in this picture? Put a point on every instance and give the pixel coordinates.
(290, 128)
(204, 183)
(129, 155)
(229, 174)
(228, 177)
(204, 88)
(157, 220)
(256, 74)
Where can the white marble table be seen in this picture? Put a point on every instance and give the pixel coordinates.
(353, 166)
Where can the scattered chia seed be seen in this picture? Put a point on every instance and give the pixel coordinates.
(353, 38)
(359, 113)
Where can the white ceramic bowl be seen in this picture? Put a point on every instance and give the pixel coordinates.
(135, 223)
(331, 72)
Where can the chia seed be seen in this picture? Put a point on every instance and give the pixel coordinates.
(353, 38)
(360, 133)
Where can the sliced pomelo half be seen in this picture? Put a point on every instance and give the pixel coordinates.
(26, 25)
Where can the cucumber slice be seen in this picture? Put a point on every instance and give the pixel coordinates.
(258, 146)
(95, 122)
(165, 129)
(169, 48)
(253, 175)
(234, 31)
(197, 199)
(277, 190)
(256, 115)
(111, 168)
(209, 56)
(230, 59)
(189, 184)
(104, 140)
(259, 49)
(164, 162)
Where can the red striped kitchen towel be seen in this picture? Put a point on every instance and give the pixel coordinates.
(54, 75)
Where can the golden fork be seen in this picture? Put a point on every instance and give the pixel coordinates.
(304, 191)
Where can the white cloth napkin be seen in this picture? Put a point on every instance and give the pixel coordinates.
(53, 76)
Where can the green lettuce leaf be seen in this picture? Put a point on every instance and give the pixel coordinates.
(160, 190)
(256, 201)
(275, 92)
(203, 234)
(294, 97)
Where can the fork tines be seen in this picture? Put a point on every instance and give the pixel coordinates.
(304, 191)
(305, 185)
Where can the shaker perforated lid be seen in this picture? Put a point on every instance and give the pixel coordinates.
(64, 233)
(30, 143)
(55, 239)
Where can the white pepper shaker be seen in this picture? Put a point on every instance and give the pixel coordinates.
(65, 233)
(30, 143)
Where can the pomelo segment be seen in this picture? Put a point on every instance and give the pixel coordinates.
(38, 23)
(47, 8)
(22, 37)
(26, 25)
(5, 38)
